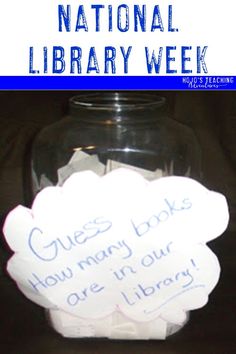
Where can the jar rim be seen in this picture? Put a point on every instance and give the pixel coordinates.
(117, 101)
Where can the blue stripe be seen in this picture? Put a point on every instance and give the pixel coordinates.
(117, 82)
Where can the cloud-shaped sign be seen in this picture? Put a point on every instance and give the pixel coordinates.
(118, 243)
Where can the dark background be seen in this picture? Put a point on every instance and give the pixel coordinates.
(212, 330)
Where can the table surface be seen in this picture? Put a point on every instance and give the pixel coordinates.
(211, 330)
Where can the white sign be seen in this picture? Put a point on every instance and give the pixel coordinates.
(98, 245)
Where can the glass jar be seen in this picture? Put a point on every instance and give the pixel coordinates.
(126, 127)
(104, 131)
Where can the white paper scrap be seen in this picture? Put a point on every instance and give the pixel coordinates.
(78, 155)
(44, 182)
(114, 326)
(84, 164)
(149, 175)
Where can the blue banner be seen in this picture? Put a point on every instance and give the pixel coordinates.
(117, 83)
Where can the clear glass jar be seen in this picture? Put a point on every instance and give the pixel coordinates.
(117, 129)
(127, 127)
